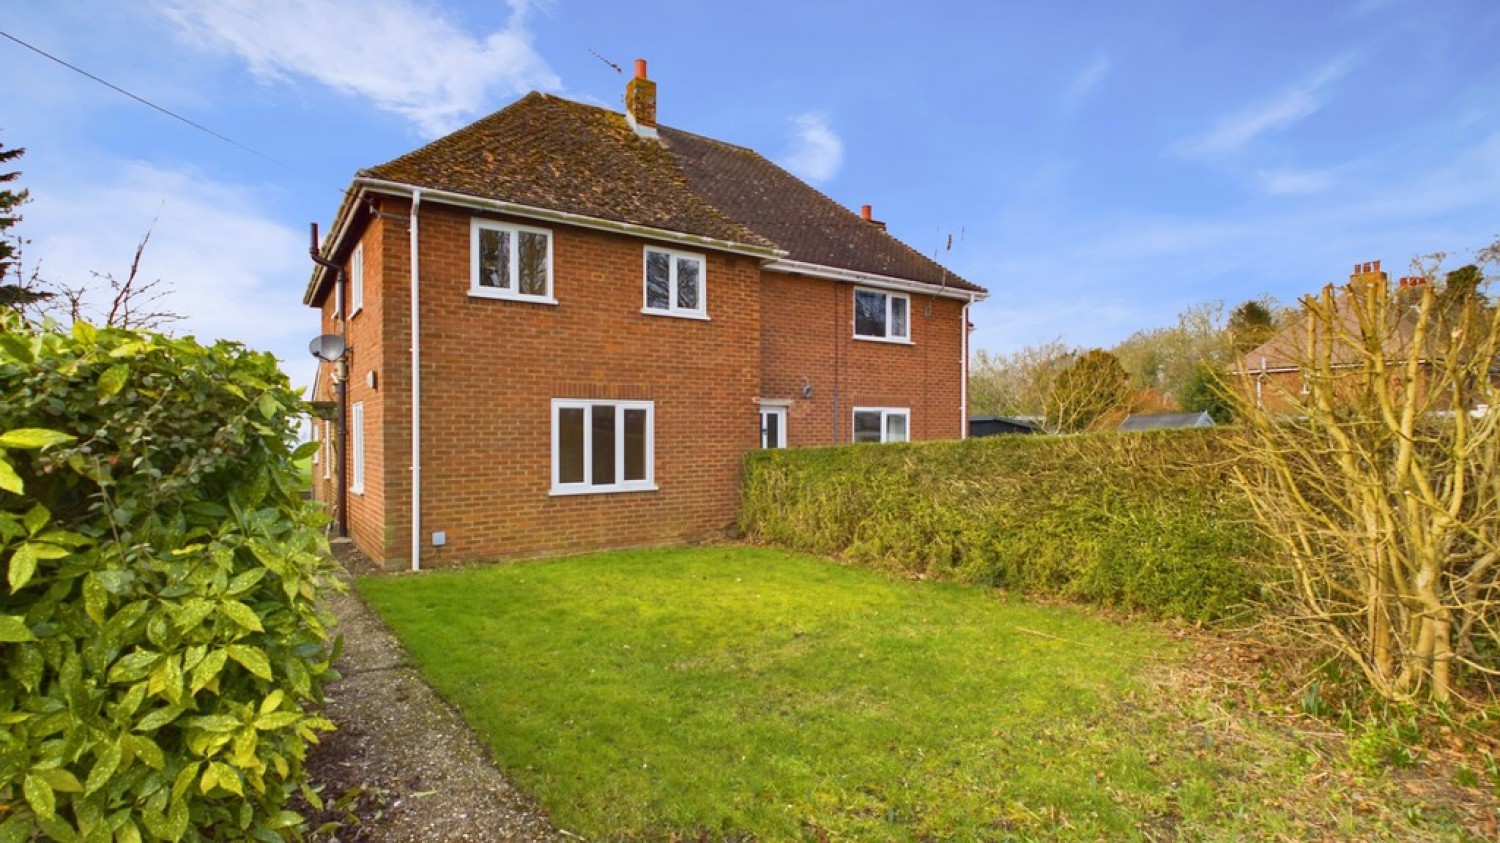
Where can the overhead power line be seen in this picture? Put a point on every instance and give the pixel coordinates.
(142, 100)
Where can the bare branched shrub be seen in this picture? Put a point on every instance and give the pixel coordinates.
(1379, 479)
(132, 302)
(1089, 395)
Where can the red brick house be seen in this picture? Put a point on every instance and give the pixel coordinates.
(567, 326)
(1271, 375)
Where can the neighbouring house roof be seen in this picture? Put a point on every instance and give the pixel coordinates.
(1165, 421)
(980, 426)
(1286, 351)
(550, 153)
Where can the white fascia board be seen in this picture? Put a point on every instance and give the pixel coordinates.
(335, 237)
(866, 279)
(479, 203)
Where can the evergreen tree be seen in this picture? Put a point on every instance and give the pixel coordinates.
(10, 202)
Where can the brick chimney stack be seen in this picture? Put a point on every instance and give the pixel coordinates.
(640, 102)
(1367, 273)
(865, 212)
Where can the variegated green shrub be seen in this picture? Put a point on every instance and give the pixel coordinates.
(162, 646)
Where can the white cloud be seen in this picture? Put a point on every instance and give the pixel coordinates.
(1235, 132)
(233, 272)
(404, 56)
(815, 152)
(1086, 82)
(1295, 182)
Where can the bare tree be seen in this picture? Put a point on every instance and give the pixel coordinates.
(1016, 384)
(128, 303)
(131, 303)
(1381, 483)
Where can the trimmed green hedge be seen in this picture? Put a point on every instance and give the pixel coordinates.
(162, 650)
(1146, 521)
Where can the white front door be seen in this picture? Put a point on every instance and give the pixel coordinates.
(773, 427)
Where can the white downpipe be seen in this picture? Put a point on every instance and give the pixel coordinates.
(416, 393)
(963, 399)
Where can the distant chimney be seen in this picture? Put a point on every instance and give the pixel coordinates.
(1367, 273)
(864, 214)
(640, 102)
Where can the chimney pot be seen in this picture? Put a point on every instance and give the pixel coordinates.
(865, 211)
(640, 102)
(1377, 266)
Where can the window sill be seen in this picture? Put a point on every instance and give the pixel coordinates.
(886, 340)
(499, 295)
(700, 316)
(572, 491)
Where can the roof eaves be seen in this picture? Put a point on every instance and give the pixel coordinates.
(762, 249)
(866, 279)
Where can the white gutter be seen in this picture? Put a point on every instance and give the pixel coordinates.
(866, 279)
(416, 392)
(774, 259)
(582, 221)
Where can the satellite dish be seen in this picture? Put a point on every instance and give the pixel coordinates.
(327, 347)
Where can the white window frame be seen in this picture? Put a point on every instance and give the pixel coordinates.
(885, 413)
(477, 290)
(647, 484)
(780, 413)
(357, 448)
(903, 339)
(328, 446)
(357, 280)
(701, 311)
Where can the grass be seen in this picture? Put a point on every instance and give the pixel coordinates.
(730, 692)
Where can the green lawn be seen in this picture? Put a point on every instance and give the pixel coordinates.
(736, 692)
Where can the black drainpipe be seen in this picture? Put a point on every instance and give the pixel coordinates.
(340, 387)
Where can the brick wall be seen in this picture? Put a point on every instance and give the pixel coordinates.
(808, 338)
(490, 369)
(363, 334)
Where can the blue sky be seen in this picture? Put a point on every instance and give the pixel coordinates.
(1099, 165)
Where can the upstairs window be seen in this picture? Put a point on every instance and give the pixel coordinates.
(357, 280)
(675, 284)
(881, 316)
(881, 424)
(510, 262)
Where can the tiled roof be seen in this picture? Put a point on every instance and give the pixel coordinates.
(809, 226)
(552, 153)
(560, 155)
(1288, 349)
